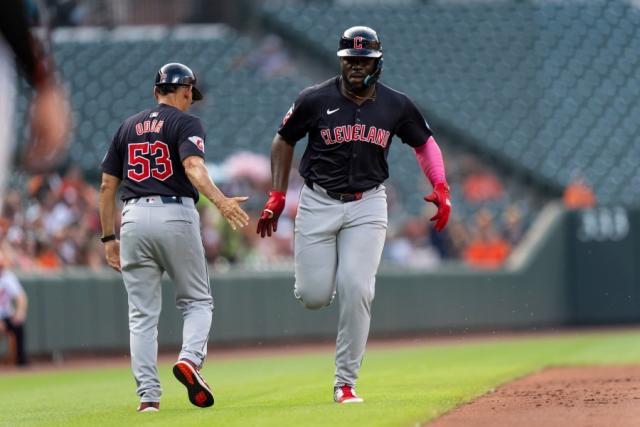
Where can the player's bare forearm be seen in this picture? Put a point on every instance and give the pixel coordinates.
(199, 176)
(281, 158)
(107, 202)
(229, 206)
(107, 206)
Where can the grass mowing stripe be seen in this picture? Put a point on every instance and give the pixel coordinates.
(401, 386)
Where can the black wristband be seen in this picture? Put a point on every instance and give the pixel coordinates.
(108, 238)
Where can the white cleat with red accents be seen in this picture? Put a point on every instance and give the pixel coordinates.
(346, 394)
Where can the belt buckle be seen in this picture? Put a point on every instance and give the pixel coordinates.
(350, 197)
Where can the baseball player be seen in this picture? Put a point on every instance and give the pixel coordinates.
(341, 223)
(158, 156)
(49, 112)
(13, 308)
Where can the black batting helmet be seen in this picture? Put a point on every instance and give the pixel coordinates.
(360, 41)
(175, 73)
(364, 42)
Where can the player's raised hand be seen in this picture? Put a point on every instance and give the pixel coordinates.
(442, 199)
(268, 222)
(112, 253)
(233, 213)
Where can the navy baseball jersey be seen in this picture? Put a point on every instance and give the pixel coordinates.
(349, 143)
(148, 149)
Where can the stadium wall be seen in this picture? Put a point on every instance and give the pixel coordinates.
(576, 274)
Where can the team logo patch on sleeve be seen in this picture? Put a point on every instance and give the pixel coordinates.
(198, 142)
(289, 113)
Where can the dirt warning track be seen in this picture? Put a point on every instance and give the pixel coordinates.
(587, 396)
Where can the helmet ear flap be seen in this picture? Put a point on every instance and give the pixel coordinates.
(372, 78)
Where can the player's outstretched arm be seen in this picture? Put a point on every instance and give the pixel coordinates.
(281, 158)
(229, 207)
(430, 159)
(107, 206)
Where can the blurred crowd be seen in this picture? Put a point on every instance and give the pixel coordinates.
(488, 222)
(268, 60)
(51, 222)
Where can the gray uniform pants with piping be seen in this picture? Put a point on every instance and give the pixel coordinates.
(155, 238)
(338, 247)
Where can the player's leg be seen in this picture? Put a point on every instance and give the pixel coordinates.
(142, 278)
(360, 245)
(182, 256)
(317, 221)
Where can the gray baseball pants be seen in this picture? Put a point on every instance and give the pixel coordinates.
(155, 238)
(338, 248)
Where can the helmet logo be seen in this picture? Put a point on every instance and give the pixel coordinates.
(357, 42)
(163, 76)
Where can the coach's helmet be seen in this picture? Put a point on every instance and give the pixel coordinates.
(175, 73)
(362, 41)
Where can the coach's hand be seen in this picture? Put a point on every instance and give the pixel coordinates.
(442, 199)
(268, 222)
(233, 213)
(112, 253)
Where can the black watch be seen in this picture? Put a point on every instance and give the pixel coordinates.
(108, 238)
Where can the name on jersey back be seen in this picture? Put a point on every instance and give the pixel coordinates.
(147, 126)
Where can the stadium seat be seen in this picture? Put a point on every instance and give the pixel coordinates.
(511, 74)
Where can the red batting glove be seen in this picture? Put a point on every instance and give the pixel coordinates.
(442, 199)
(268, 222)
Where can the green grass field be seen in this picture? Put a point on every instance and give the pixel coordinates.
(401, 386)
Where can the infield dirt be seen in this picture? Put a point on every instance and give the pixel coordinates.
(587, 396)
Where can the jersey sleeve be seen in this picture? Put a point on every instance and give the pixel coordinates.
(191, 138)
(412, 128)
(297, 120)
(113, 162)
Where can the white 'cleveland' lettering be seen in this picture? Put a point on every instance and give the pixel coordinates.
(359, 132)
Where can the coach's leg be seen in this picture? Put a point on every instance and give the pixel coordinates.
(185, 263)
(317, 222)
(360, 246)
(142, 277)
